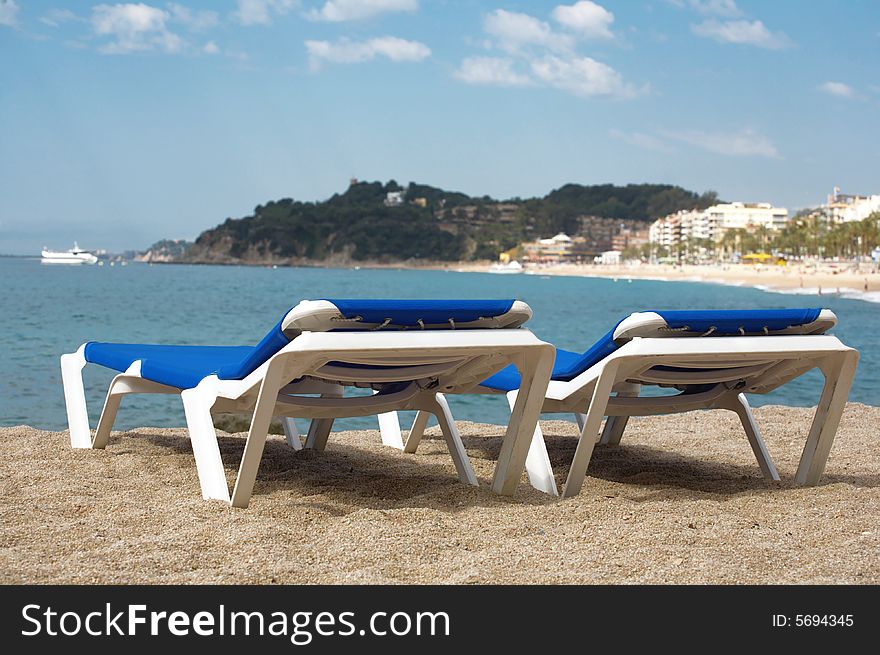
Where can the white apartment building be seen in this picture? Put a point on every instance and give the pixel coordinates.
(655, 232)
(686, 225)
(665, 231)
(694, 225)
(712, 223)
(842, 208)
(745, 216)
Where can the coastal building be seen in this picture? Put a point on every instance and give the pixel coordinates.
(602, 233)
(696, 225)
(474, 215)
(745, 216)
(711, 224)
(680, 227)
(554, 249)
(609, 258)
(629, 237)
(844, 208)
(394, 198)
(666, 231)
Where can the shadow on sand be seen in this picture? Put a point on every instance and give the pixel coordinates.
(358, 477)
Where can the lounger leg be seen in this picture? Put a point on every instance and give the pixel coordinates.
(740, 405)
(197, 405)
(389, 427)
(416, 432)
(613, 430)
(319, 432)
(538, 460)
(108, 417)
(256, 440)
(587, 441)
(440, 408)
(615, 425)
(534, 367)
(75, 399)
(319, 429)
(291, 432)
(580, 419)
(839, 373)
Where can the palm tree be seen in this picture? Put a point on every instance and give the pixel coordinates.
(762, 236)
(729, 243)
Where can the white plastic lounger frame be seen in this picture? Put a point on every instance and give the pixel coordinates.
(732, 367)
(429, 361)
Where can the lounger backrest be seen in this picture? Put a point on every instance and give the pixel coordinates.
(353, 314)
(361, 315)
(699, 323)
(690, 323)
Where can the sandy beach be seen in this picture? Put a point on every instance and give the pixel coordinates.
(808, 280)
(680, 501)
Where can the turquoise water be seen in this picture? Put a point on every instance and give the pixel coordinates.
(50, 310)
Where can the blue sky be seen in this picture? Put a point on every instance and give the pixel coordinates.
(124, 123)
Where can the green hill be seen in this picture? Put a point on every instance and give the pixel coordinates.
(364, 225)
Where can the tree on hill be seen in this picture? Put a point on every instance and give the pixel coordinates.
(356, 224)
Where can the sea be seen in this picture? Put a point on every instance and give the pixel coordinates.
(48, 310)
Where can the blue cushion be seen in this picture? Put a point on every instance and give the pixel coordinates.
(432, 312)
(185, 366)
(268, 346)
(177, 366)
(568, 365)
(508, 379)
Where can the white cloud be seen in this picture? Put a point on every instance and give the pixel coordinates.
(260, 12)
(8, 13)
(837, 89)
(513, 31)
(112, 19)
(743, 32)
(582, 76)
(346, 51)
(55, 17)
(725, 22)
(744, 143)
(723, 8)
(134, 28)
(640, 140)
(197, 21)
(539, 55)
(492, 71)
(336, 11)
(211, 48)
(588, 19)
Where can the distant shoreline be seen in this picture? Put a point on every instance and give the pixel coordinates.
(824, 280)
(797, 279)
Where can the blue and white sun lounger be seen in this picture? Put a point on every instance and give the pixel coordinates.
(712, 358)
(405, 351)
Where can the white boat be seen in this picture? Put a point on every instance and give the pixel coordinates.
(506, 269)
(75, 255)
